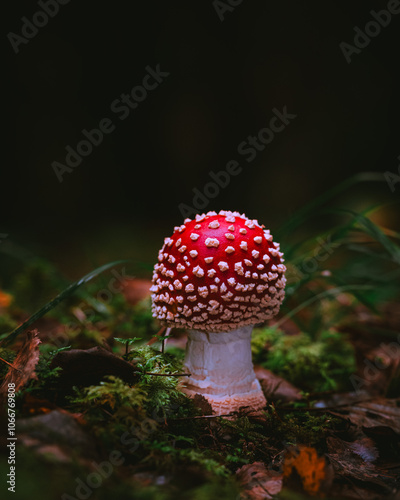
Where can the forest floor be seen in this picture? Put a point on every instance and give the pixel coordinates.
(100, 414)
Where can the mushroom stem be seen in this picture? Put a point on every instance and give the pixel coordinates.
(222, 371)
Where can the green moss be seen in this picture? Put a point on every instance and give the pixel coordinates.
(164, 395)
(170, 456)
(111, 408)
(242, 441)
(112, 393)
(300, 427)
(321, 365)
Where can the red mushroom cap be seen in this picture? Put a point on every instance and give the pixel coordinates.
(217, 273)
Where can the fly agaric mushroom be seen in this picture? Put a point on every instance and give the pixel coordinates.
(217, 276)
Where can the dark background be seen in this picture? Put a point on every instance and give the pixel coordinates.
(225, 79)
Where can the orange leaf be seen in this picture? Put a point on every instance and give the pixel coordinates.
(311, 469)
(5, 299)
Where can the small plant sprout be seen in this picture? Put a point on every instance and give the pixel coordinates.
(127, 343)
(217, 276)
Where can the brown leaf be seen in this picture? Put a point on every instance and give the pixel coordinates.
(371, 414)
(332, 400)
(276, 388)
(350, 463)
(303, 463)
(257, 482)
(365, 448)
(24, 364)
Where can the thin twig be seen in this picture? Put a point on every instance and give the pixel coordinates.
(168, 374)
(326, 408)
(204, 416)
(9, 364)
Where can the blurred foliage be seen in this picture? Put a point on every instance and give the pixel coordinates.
(356, 259)
(7, 323)
(140, 320)
(36, 283)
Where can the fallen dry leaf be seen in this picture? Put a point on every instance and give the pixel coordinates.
(349, 461)
(257, 482)
(276, 388)
(24, 364)
(303, 462)
(333, 400)
(382, 413)
(365, 448)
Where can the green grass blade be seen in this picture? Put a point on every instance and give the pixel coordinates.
(54, 302)
(376, 233)
(363, 249)
(311, 208)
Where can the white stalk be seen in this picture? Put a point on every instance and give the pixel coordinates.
(222, 371)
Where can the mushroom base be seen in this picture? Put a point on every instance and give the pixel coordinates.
(222, 371)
